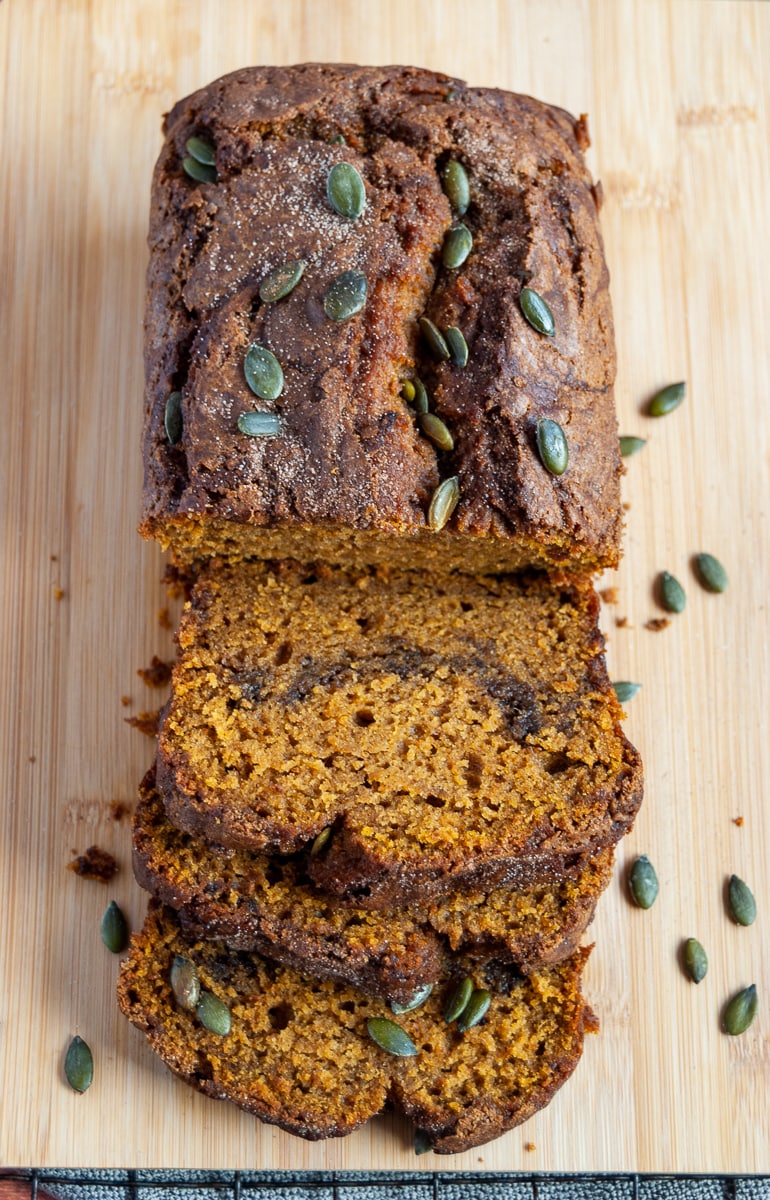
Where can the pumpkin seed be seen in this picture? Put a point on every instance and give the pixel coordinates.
(263, 372)
(420, 397)
(696, 963)
(436, 431)
(672, 594)
(173, 418)
(475, 1010)
(391, 1037)
(345, 191)
(458, 244)
(456, 186)
(321, 841)
(667, 399)
(458, 347)
(444, 503)
(625, 690)
(185, 983)
(552, 446)
(345, 296)
(422, 1142)
(434, 339)
(339, 140)
(408, 391)
(419, 997)
(711, 574)
(643, 882)
(281, 281)
(743, 906)
(200, 172)
(201, 150)
(79, 1065)
(213, 1014)
(259, 424)
(114, 928)
(740, 1011)
(537, 311)
(458, 1000)
(631, 445)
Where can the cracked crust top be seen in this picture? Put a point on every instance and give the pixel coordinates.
(351, 475)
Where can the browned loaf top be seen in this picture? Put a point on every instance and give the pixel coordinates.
(452, 733)
(350, 475)
(252, 902)
(298, 1053)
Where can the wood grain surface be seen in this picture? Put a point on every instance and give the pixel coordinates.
(677, 94)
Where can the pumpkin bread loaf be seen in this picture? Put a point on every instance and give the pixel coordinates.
(252, 902)
(454, 733)
(298, 1052)
(401, 195)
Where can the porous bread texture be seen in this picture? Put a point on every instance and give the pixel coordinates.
(298, 1054)
(351, 476)
(454, 732)
(252, 902)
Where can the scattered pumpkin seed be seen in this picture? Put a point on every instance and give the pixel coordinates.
(263, 372)
(625, 690)
(422, 1142)
(281, 281)
(552, 446)
(475, 1010)
(672, 594)
(458, 244)
(408, 391)
(436, 431)
(710, 572)
(631, 445)
(185, 983)
(740, 1011)
(339, 140)
(321, 841)
(434, 339)
(259, 424)
(743, 906)
(345, 191)
(173, 418)
(201, 150)
(458, 347)
(444, 503)
(345, 296)
(537, 311)
(200, 172)
(696, 962)
(643, 882)
(79, 1065)
(391, 1037)
(458, 1000)
(213, 1014)
(114, 928)
(420, 397)
(667, 399)
(456, 186)
(419, 997)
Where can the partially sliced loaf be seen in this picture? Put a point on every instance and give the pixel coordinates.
(455, 732)
(253, 902)
(298, 1054)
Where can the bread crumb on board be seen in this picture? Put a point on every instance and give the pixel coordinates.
(145, 722)
(657, 624)
(94, 863)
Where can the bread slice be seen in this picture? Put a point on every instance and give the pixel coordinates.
(347, 473)
(299, 1055)
(253, 902)
(453, 733)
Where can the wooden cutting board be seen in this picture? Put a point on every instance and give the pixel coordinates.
(678, 97)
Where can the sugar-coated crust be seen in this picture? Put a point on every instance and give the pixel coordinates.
(252, 902)
(350, 459)
(298, 1054)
